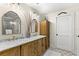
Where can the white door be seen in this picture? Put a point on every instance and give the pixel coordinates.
(77, 33)
(65, 32)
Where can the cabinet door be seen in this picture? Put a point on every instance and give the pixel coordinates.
(32, 48)
(26, 49)
(44, 44)
(40, 47)
(47, 42)
(36, 47)
(43, 30)
(11, 52)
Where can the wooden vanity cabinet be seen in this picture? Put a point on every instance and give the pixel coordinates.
(34, 48)
(29, 49)
(11, 52)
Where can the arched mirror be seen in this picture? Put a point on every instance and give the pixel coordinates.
(34, 27)
(11, 23)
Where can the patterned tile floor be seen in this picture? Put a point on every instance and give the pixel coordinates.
(58, 52)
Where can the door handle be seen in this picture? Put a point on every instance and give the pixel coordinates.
(78, 36)
(56, 34)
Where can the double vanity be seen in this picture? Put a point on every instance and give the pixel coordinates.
(32, 46)
(30, 43)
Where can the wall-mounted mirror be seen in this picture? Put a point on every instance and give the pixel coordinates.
(11, 23)
(34, 26)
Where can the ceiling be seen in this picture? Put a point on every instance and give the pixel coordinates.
(45, 8)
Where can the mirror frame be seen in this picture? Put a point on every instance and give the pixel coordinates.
(36, 26)
(19, 20)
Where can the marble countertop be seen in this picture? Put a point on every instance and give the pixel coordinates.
(13, 43)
